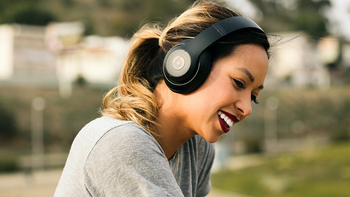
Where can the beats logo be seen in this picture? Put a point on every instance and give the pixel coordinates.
(178, 62)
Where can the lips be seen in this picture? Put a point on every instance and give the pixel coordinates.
(226, 120)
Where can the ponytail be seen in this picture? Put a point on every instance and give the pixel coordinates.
(133, 98)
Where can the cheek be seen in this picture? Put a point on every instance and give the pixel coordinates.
(217, 91)
(222, 93)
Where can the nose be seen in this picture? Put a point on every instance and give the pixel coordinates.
(244, 106)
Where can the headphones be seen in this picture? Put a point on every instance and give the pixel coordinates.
(187, 65)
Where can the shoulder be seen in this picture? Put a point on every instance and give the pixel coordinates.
(129, 138)
(128, 161)
(126, 137)
(106, 127)
(112, 137)
(125, 141)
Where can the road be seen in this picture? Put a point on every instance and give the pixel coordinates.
(43, 184)
(38, 184)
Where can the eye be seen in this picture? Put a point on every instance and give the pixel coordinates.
(253, 97)
(239, 84)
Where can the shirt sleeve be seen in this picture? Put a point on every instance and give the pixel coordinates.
(128, 161)
(206, 159)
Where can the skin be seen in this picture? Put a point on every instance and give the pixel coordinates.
(183, 116)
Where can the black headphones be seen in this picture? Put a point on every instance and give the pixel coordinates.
(185, 66)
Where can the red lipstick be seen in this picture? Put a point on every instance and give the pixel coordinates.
(225, 126)
(231, 116)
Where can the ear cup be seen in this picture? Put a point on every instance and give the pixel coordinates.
(193, 78)
(204, 68)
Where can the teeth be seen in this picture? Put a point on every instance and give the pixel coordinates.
(228, 121)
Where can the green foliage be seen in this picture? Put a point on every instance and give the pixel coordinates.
(296, 15)
(63, 118)
(31, 16)
(134, 13)
(80, 81)
(301, 114)
(124, 17)
(102, 17)
(342, 127)
(321, 113)
(68, 3)
(8, 163)
(323, 172)
(8, 127)
(89, 26)
(29, 12)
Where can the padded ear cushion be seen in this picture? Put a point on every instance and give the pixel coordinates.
(194, 79)
(204, 68)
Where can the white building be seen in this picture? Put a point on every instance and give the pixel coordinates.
(23, 55)
(58, 53)
(98, 60)
(6, 51)
(296, 60)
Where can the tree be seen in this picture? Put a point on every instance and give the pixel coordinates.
(133, 13)
(294, 15)
(33, 16)
(102, 17)
(7, 123)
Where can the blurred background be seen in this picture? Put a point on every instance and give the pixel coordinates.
(59, 57)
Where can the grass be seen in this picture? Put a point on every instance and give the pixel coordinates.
(313, 173)
(8, 162)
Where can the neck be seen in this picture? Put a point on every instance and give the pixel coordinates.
(171, 135)
(170, 125)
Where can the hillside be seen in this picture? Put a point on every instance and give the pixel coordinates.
(102, 17)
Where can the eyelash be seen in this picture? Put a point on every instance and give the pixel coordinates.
(253, 97)
(241, 85)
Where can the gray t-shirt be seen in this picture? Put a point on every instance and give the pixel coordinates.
(111, 157)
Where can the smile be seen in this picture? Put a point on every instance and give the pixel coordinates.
(226, 120)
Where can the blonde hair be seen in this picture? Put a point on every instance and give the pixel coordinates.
(133, 99)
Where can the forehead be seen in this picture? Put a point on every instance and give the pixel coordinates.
(250, 50)
(250, 59)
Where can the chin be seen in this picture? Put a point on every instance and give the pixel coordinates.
(212, 139)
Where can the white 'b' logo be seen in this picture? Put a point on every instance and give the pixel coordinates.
(178, 62)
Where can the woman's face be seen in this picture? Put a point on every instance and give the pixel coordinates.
(226, 96)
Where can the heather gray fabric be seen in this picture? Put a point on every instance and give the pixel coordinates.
(110, 157)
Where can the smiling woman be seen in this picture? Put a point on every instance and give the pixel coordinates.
(180, 90)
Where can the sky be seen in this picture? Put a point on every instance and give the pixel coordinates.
(339, 14)
(340, 17)
(244, 6)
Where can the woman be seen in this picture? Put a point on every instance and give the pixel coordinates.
(180, 90)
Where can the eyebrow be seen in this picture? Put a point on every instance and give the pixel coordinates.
(246, 71)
